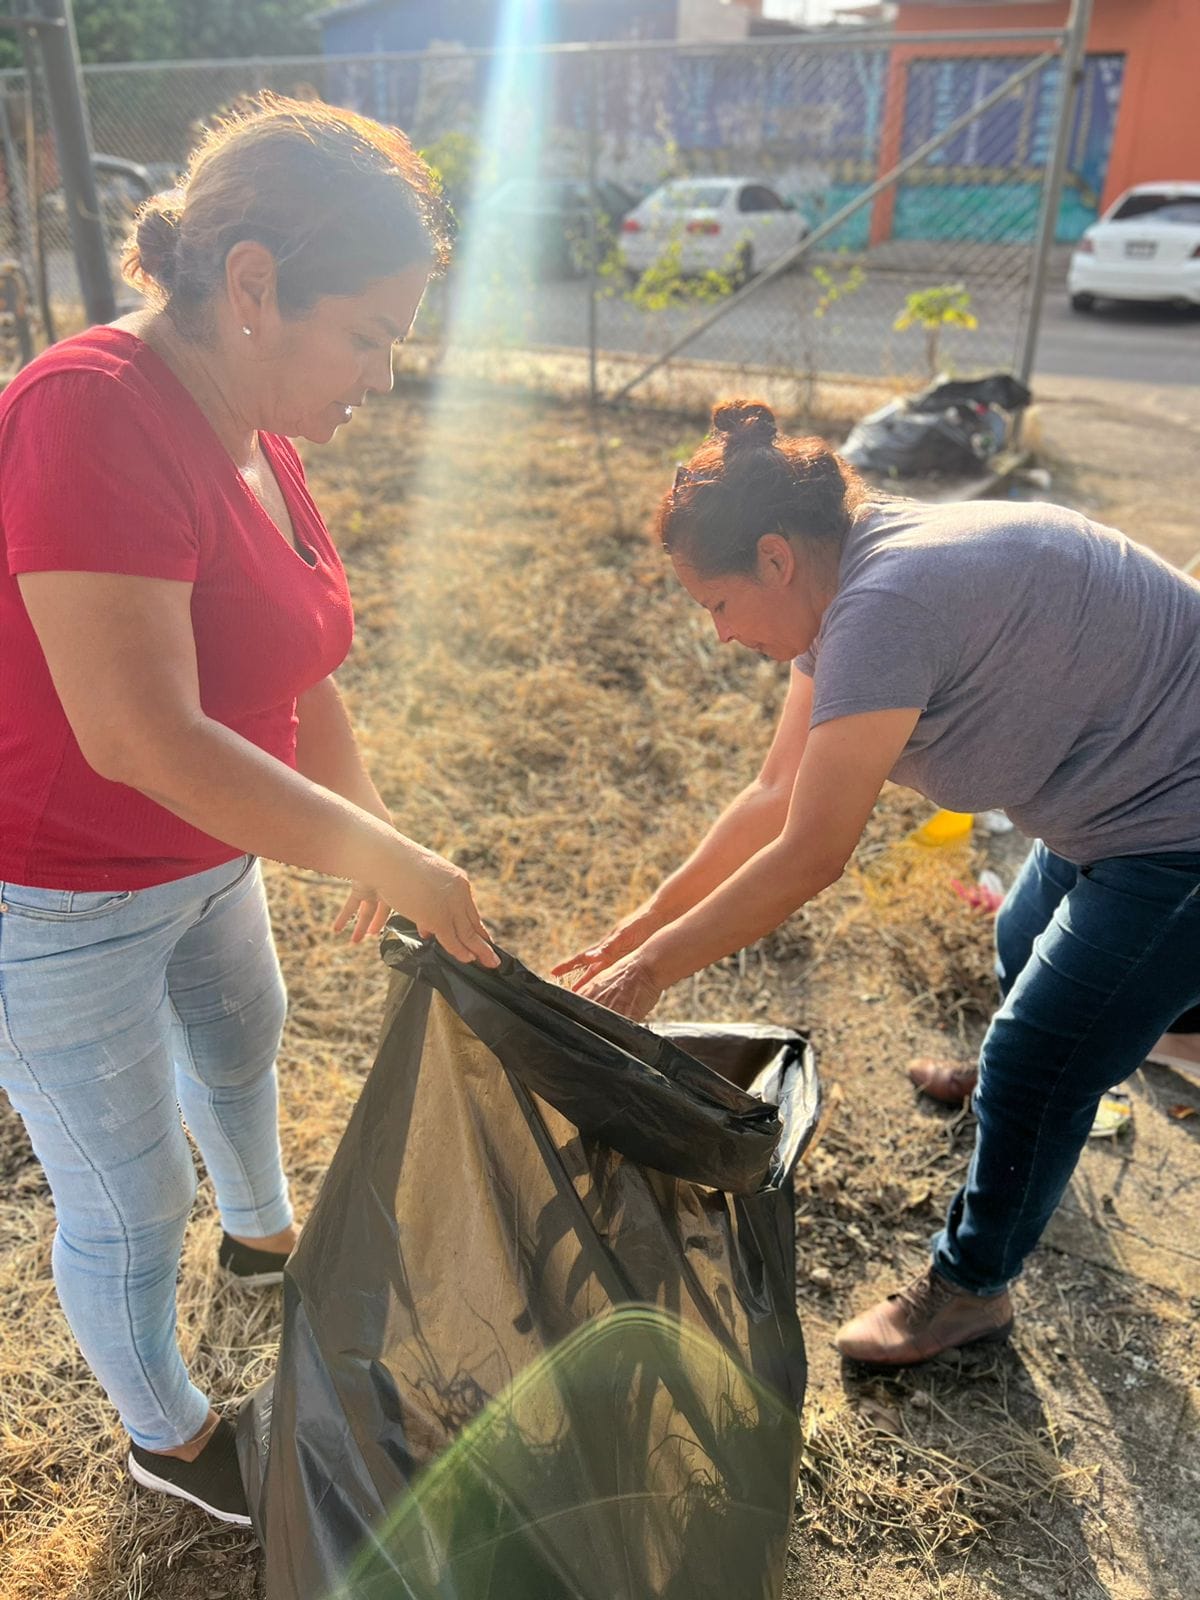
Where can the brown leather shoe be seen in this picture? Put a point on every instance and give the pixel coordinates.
(946, 1081)
(929, 1315)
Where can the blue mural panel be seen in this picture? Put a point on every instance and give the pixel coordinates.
(811, 121)
(827, 108)
(985, 182)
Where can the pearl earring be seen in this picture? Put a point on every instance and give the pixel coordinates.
(246, 330)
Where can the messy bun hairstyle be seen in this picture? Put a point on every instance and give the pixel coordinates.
(155, 245)
(339, 200)
(744, 422)
(747, 480)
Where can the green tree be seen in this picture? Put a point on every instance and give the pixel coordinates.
(233, 28)
(165, 30)
(947, 305)
(124, 30)
(455, 158)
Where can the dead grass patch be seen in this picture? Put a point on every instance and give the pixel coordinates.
(539, 701)
(931, 1469)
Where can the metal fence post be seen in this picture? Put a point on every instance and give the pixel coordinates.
(1072, 73)
(64, 90)
(18, 196)
(33, 189)
(593, 119)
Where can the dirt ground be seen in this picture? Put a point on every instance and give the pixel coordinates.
(537, 700)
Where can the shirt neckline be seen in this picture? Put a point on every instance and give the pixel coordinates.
(146, 353)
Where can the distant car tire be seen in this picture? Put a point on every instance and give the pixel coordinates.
(743, 269)
(1083, 302)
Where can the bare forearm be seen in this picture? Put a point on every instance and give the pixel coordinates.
(753, 902)
(327, 751)
(122, 656)
(222, 784)
(216, 780)
(746, 826)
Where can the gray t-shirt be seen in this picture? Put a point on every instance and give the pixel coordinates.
(1055, 663)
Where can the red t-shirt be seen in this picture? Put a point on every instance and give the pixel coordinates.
(107, 464)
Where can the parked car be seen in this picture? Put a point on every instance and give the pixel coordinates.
(545, 221)
(738, 224)
(1145, 247)
(121, 186)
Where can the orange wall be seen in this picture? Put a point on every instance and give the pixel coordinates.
(1158, 122)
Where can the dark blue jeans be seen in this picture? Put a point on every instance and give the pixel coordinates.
(1095, 963)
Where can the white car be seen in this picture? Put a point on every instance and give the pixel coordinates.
(1145, 247)
(736, 225)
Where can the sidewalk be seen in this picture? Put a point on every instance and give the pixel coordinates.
(944, 260)
(1125, 453)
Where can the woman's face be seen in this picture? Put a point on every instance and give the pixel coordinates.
(317, 368)
(775, 610)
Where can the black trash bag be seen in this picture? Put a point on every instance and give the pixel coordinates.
(954, 427)
(518, 1361)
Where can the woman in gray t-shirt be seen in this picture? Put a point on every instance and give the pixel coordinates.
(988, 655)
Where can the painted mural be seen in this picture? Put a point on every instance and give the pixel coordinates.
(808, 122)
(994, 168)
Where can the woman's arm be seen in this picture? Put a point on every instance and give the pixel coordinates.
(121, 653)
(843, 769)
(327, 751)
(746, 825)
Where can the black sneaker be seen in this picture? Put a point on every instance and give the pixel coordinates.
(253, 1269)
(212, 1481)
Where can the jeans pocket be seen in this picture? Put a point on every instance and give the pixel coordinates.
(249, 863)
(61, 905)
(1160, 885)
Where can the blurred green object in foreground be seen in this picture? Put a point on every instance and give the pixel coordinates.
(638, 1445)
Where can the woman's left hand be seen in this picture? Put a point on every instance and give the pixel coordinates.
(628, 987)
(366, 910)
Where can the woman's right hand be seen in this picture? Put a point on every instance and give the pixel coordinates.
(437, 896)
(630, 933)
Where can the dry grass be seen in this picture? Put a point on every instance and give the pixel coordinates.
(538, 701)
(916, 1467)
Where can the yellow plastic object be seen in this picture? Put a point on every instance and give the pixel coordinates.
(1113, 1116)
(945, 827)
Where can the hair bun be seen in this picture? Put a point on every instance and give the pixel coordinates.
(156, 241)
(745, 423)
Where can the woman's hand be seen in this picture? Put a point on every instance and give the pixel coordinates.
(366, 908)
(630, 988)
(437, 896)
(631, 932)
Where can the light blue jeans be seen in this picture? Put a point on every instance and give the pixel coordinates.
(117, 1011)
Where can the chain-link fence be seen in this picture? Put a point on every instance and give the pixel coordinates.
(859, 206)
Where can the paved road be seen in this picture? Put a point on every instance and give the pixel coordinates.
(776, 327)
(1140, 344)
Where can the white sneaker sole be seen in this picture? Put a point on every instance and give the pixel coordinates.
(147, 1479)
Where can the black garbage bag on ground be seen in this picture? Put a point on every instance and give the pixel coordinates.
(954, 427)
(539, 1333)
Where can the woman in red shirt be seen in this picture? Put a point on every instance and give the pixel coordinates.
(171, 613)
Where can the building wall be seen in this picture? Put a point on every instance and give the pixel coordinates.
(416, 25)
(713, 19)
(1158, 129)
